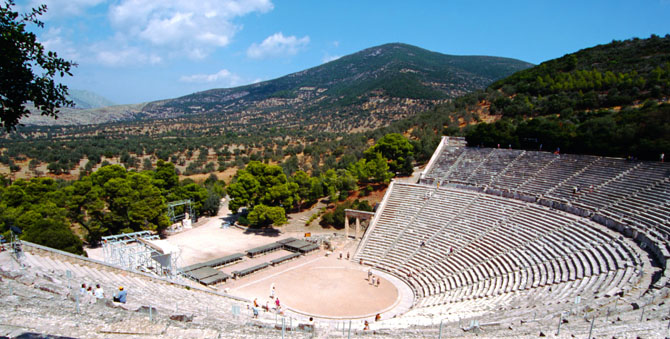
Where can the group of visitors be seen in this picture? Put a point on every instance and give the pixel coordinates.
(373, 279)
(366, 324)
(273, 296)
(90, 295)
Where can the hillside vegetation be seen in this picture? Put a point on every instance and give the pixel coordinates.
(366, 89)
(609, 100)
(303, 120)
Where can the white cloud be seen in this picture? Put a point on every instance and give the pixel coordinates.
(194, 28)
(223, 76)
(124, 56)
(277, 45)
(53, 40)
(329, 58)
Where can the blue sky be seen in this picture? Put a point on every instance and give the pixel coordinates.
(132, 51)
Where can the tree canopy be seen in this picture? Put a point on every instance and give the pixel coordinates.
(397, 149)
(262, 187)
(111, 200)
(22, 57)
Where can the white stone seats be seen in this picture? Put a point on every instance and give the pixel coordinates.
(501, 246)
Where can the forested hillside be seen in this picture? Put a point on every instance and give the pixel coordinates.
(610, 99)
(367, 89)
(364, 90)
(303, 120)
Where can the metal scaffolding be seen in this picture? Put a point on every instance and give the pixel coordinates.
(186, 213)
(135, 252)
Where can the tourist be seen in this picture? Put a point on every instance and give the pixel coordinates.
(347, 255)
(89, 297)
(378, 280)
(120, 297)
(255, 311)
(369, 274)
(99, 292)
(272, 291)
(277, 303)
(267, 306)
(662, 157)
(82, 290)
(255, 302)
(366, 326)
(340, 255)
(378, 317)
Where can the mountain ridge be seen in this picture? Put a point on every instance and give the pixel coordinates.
(365, 81)
(366, 89)
(84, 99)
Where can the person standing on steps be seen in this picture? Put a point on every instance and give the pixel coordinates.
(99, 292)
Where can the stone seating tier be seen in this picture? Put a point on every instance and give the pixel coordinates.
(466, 244)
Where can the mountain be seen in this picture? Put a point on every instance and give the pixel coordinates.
(89, 108)
(363, 90)
(610, 99)
(85, 99)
